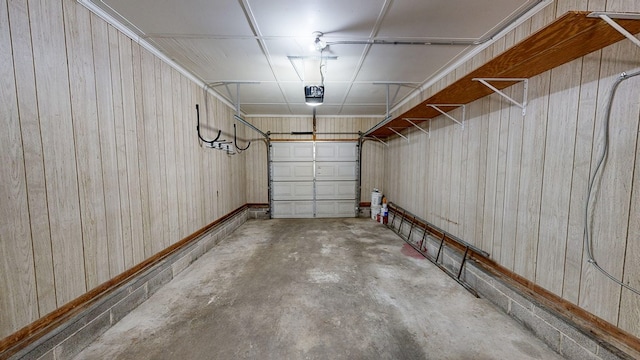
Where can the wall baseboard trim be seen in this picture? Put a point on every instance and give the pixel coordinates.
(566, 328)
(65, 330)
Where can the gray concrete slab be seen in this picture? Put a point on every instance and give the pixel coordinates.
(315, 289)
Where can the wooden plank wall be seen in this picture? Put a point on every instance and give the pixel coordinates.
(516, 187)
(101, 163)
(373, 152)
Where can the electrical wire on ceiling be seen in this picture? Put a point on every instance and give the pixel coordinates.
(323, 66)
(600, 166)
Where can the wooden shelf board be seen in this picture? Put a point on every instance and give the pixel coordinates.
(569, 37)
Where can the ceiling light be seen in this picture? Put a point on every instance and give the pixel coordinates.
(314, 95)
(318, 44)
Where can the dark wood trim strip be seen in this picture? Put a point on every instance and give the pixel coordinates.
(32, 332)
(257, 205)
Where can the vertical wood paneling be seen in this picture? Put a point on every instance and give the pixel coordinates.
(611, 208)
(482, 174)
(528, 176)
(18, 303)
(158, 137)
(169, 150)
(558, 167)
(629, 316)
(33, 152)
(446, 171)
(132, 112)
(87, 143)
(503, 137)
(54, 105)
(471, 173)
(512, 183)
(117, 265)
(180, 116)
(533, 144)
(150, 167)
(102, 163)
(107, 140)
(574, 259)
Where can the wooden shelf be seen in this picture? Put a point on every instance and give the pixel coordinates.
(569, 37)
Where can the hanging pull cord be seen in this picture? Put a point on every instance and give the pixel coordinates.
(210, 142)
(600, 165)
(235, 140)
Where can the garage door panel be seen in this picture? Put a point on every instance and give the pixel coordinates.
(292, 151)
(292, 171)
(313, 180)
(336, 171)
(292, 209)
(332, 151)
(343, 190)
(336, 208)
(292, 190)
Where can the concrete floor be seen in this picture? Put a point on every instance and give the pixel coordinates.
(315, 289)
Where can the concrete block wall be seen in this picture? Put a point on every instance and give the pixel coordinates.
(558, 332)
(258, 213)
(77, 332)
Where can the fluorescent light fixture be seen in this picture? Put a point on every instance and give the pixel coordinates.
(314, 95)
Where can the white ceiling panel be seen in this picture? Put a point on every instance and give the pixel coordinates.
(345, 18)
(219, 59)
(406, 63)
(187, 17)
(455, 19)
(364, 93)
(341, 60)
(224, 42)
(327, 110)
(268, 109)
(254, 93)
(335, 92)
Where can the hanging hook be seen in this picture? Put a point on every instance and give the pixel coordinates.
(235, 140)
(210, 142)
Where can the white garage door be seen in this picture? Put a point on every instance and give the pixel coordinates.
(313, 179)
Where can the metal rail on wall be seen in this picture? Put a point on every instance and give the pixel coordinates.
(437, 233)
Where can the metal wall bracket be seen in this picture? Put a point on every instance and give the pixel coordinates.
(398, 133)
(383, 143)
(609, 17)
(410, 121)
(391, 100)
(522, 105)
(459, 122)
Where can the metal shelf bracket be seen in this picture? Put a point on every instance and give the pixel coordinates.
(378, 139)
(398, 133)
(459, 122)
(410, 121)
(609, 17)
(522, 105)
